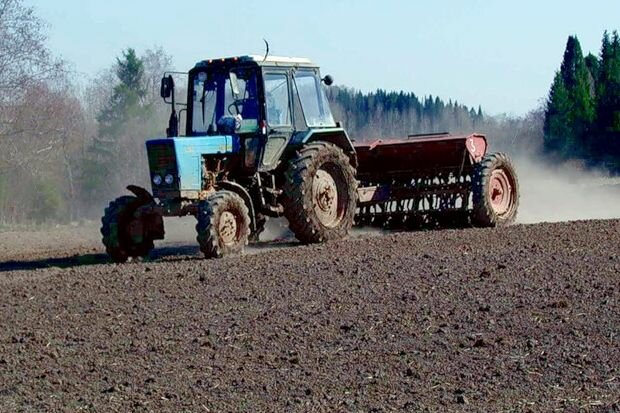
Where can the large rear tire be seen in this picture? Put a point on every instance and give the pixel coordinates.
(223, 225)
(117, 224)
(320, 193)
(495, 192)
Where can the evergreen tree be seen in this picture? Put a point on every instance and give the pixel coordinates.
(557, 115)
(593, 65)
(110, 159)
(125, 101)
(608, 109)
(575, 115)
(130, 72)
(572, 57)
(582, 98)
(383, 113)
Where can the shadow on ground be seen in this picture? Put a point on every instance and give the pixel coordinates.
(166, 252)
(163, 253)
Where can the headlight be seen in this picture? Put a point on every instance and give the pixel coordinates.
(157, 179)
(169, 179)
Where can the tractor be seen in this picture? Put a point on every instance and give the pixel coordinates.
(260, 141)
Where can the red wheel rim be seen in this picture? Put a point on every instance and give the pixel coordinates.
(500, 192)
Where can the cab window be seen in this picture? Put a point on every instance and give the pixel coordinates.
(313, 100)
(277, 100)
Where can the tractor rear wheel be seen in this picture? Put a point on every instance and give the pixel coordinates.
(117, 225)
(223, 225)
(495, 192)
(320, 193)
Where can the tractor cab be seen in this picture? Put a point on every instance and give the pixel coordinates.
(263, 104)
(262, 94)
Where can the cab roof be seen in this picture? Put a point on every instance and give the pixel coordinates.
(279, 61)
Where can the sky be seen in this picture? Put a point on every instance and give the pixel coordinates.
(501, 55)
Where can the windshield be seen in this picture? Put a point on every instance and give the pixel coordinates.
(214, 100)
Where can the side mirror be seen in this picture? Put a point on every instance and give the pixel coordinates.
(234, 84)
(167, 85)
(328, 80)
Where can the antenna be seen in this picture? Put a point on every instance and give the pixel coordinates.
(266, 49)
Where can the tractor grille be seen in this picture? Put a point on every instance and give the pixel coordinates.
(162, 157)
(162, 162)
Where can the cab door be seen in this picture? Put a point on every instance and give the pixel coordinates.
(278, 116)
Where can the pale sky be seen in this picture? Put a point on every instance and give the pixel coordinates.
(499, 54)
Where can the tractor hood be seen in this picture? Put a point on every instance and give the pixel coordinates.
(176, 163)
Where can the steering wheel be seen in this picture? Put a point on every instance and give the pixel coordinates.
(235, 105)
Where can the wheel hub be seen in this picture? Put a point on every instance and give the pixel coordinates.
(227, 228)
(500, 192)
(325, 198)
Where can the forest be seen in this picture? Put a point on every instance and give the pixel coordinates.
(582, 115)
(69, 144)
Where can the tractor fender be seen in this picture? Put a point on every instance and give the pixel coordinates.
(151, 219)
(336, 136)
(244, 194)
(143, 195)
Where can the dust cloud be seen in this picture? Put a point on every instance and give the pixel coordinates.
(182, 231)
(179, 231)
(276, 229)
(564, 192)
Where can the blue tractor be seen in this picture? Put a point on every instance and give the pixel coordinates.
(260, 141)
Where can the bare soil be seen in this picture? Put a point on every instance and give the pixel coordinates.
(519, 319)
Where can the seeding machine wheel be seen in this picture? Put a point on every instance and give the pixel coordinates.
(495, 192)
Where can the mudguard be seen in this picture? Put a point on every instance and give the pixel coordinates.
(337, 136)
(143, 195)
(151, 222)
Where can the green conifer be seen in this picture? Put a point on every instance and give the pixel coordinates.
(568, 121)
(557, 114)
(608, 109)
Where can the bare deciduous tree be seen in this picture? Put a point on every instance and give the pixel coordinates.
(36, 103)
(156, 62)
(24, 56)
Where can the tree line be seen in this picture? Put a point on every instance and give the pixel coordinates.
(582, 115)
(382, 113)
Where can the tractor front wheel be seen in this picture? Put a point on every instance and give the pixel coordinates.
(223, 225)
(495, 192)
(320, 193)
(123, 234)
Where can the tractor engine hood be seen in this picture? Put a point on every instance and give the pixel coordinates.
(176, 163)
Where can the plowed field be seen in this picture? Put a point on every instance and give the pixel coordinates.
(525, 318)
